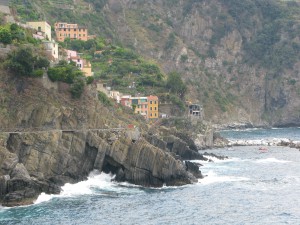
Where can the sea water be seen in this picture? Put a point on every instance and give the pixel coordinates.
(250, 187)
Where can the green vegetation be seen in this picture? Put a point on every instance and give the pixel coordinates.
(13, 34)
(104, 99)
(5, 36)
(69, 73)
(175, 84)
(184, 58)
(77, 87)
(65, 72)
(26, 10)
(26, 62)
(170, 42)
(266, 48)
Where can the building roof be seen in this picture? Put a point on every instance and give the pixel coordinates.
(152, 97)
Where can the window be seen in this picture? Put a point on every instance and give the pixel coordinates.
(83, 35)
(79, 35)
(150, 114)
(150, 102)
(75, 29)
(146, 107)
(69, 29)
(155, 114)
(74, 35)
(150, 108)
(64, 29)
(68, 35)
(154, 102)
(78, 60)
(154, 108)
(79, 29)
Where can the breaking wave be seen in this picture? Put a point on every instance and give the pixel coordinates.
(96, 184)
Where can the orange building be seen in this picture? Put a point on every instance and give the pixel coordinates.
(72, 31)
(152, 107)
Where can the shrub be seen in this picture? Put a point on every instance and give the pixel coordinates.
(170, 42)
(38, 73)
(5, 36)
(89, 80)
(175, 84)
(77, 87)
(104, 99)
(183, 58)
(64, 72)
(21, 61)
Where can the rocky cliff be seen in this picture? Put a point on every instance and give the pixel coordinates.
(48, 139)
(240, 59)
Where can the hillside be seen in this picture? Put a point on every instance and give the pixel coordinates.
(240, 59)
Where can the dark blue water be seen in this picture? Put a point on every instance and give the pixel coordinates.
(258, 133)
(248, 188)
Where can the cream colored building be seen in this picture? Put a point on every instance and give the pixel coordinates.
(41, 26)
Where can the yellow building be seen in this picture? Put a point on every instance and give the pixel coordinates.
(152, 107)
(87, 68)
(72, 31)
(41, 26)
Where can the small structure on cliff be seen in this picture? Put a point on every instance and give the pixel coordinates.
(195, 111)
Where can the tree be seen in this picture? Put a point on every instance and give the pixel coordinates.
(24, 62)
(21, 61)
(175, 84)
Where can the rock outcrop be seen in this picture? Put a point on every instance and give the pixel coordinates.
(49, 139)
(32, 163)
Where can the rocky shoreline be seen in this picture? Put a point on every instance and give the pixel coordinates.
(32, 163)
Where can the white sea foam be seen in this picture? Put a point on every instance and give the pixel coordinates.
(271, 160)
(212, 177)
(95, 180)
(257, 142)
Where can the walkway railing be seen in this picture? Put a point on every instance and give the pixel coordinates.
(45, 130)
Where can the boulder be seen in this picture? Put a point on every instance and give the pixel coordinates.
(178, 146)
(194, 169)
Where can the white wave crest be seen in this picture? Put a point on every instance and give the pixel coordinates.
(95, 180)
(271, 160)
(212, 177)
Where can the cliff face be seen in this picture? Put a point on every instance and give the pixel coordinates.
(48, 139)
(240, 59)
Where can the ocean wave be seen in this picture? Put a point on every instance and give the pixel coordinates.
(96, 180)
(212, 177)
(271, 160)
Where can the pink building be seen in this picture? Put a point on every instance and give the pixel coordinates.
(83, 64)
(125, 100)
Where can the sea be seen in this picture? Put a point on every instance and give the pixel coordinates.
(250, 187)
